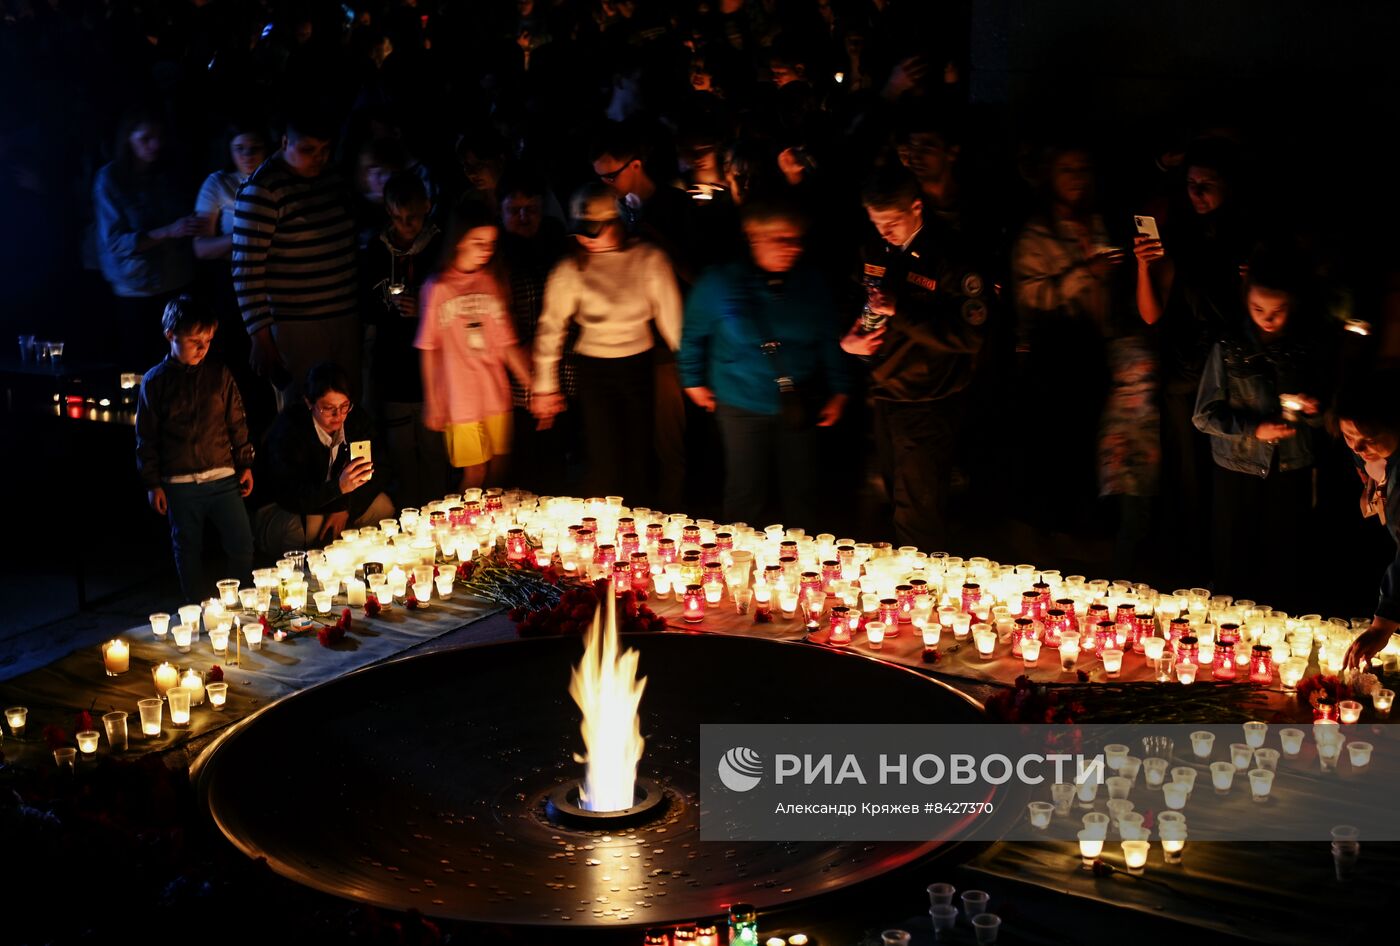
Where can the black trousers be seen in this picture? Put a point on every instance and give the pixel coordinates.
(617, 403)
(1259, 530)
(917, 443)
(764, 459)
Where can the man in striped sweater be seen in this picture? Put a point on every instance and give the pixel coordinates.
(294, 262)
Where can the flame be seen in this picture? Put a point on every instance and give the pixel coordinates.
(606, 688)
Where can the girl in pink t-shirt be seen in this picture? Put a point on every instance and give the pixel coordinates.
(467, 344)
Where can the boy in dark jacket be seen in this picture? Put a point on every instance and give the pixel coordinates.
(192, 447)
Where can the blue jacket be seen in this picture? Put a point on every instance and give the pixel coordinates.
(723, 331)
(1240, 389)
(127, 209)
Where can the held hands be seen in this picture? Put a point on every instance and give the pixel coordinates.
(703, 397)
(854, 343)
(1147, 250)
(156, 497)
(191, 226)
(1371, 642)
(831, 411)
(546, 407)
(356, 474)
(1273, 431)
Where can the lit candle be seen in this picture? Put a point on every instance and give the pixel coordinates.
(1382, 700)
(1135, 855)
(182, 633)
(116, 657)
(1069, 650)
(1090, 847)
(179, 699)
(985, 639)
(1260, 783)
(714, 590)
(1291, 741)
(787, 601)
(1348, 711)
(1222, 776)
(695, 604)
(1360, 753)
(875, 634)
(355, 592)
(160, 624)
(166, 676)
(1030, 652)
(193, 681)
(1186, 672)
(706, 935)
(87, 742)
(1175, 794)
(1173, 842)
(1112, 661)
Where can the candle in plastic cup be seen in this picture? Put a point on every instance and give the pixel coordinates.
(1165, 818)
(1087, 790)
(193, 681)
(218, 639)
(1069, 652)
(217, 694)
(940, 894)
(323, 601)
(1261, 781)
(1328, 752)
(354, 593)
(1348, 711)
(932, 632)
(944, 915)
(1346, 832)
(1240, 755)
(975, 902)
(1360, 753)
(1135, 855)
(1063, 795)
(1255, 733)
(1266, 759)
(1291, 671)
(253, 634)
(1118, 787)
(1345, 854)
(160, 624)
(1090, 846)
(182, 633)
(179, 699)
(986, 926)
(1381, 701)
(1186, 775)
(1112, 661)
(1186, 672)
(443, 585)
(1173, 841)
(986, 641)
(1114, 753)
(1030, 652)
(1291, 740)
(1039, 813)
(962, 625)
(1222, 776)
(151, 712)
(248, 598)
(1327, 731)
(1096, 822)
(787, 601)
(1175, 794)
(875, 634)
(190, 614)
(1154, 771)
(887, 938)
(115, 724)
(228, 592)
(165, 676)
(1152, 647)
(1202, 742)
(63, 758)
(743, 597)
(87, 742)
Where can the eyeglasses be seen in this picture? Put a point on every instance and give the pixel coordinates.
(340, 411)
(611, 176)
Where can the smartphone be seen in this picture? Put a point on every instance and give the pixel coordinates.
(1147, 226)
(360, 448)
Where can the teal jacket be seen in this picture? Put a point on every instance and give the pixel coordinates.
(728, 317)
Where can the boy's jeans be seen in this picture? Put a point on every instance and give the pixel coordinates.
(191, 505)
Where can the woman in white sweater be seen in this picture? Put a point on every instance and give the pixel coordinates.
(623, 296)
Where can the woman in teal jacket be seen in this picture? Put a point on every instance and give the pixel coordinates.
(760, 348)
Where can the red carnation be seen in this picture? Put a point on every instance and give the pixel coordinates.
(345, 618)
(84, 721)
(216, 674)
(329, 635)
(372, 605)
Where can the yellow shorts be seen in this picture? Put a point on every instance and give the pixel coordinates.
(474, 444)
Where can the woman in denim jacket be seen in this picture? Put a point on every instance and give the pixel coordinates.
(1259, 402)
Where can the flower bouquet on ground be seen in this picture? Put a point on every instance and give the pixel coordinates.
(1030, 702)
(516, 584)
(573, 612)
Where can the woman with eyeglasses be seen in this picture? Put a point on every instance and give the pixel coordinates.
(623, 296)
(1367, 417)
(317, 488)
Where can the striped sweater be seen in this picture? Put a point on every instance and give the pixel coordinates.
(293, 248)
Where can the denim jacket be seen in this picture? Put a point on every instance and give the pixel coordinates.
(1240, 389)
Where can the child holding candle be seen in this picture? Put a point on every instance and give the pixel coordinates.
(467, 344)
(192, 446)
(1263, 462)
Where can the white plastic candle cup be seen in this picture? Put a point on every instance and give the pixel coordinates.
(1222, 776)
(940, 895)
(1360, 753)
(1069, 654)
(160, 625)
(16, 716)
(228, 592)
(181, 634)
(151, 713)
(875, 634)
(323, 601)
(1117, 808)
(1381, 701)
(887, 938)
(743, 597)
(1130, 768)
(1096, 822)
(1168, 818)
(1087, 791)
(87, 742)
(193, 681)
(218, 639)
(1118, 787)
(64, 757)
(975, 902)
(179, 699)
(1186, 775)
(1173, 841)
(1345, 832)
(1291, 740)
(190, 614)
(787, 601)
(1255, 733)
(1291, 671)
(1039, 813)
(1345, 854)
(1261, 781)
(1135, 855)
(253, 634)
(443, 585)
(248, 599)
(1154, 772)
(944, 916)
(1348, 711)
(1090, 847)
(115, 724)
(1030, 652)
(1112, 661)
(1202, 742)
(1175, 794)
(1130, 824)
(1063, 795)
(1328, 752)
(1114, 753)
(217, 694)
(1152, 647)
(1327, 731)
(932, 632)
(1266, 759)
(1241, 755)
(962, 625)
(986, 927)
(1186, 672)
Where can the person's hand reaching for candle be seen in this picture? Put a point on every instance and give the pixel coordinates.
(156, 497)
(864, 345)
(356, 474)
(334, 524)
(245, 483)
(703, 397)
(1371, 642)
(831, 411)
(1273, 431)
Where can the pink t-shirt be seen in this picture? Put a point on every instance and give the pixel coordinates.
(464, 322)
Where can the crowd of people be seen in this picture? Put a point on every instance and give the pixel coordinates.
(734, 256)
